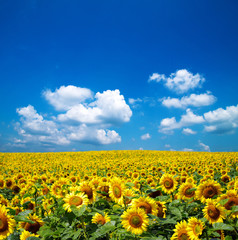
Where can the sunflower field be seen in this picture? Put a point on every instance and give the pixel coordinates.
(119, 195)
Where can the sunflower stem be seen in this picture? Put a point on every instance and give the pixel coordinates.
(206, 234)
(235, 230)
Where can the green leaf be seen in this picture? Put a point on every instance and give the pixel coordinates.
(168, 221)
(175, 211)
(222, 226)
(32, 238)
(228, 238)
(234, 209)
(223, 201)
(78, 212)
(130, 184)
(25, 213)
(23, 219)
(103, 230)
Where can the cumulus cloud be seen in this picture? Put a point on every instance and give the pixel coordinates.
(167, 125)
(204, 147)
(85, 120)
(109, 108)
(195, 100)
(65, 97)
(145, 136)
(222, 120)
(180, 82)
(188, 131)
(187, 150)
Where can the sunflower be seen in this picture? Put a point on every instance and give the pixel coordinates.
(186, 191)
(180, 231)
(2, 183)
(135, 220)
(116, 190)
(16, 189)
(100, 219)
(32, 227)
(168, 183)
(161, 209)
(225, 178)
(232, 200)
(25, 234)
(7, 223)
(77, 200)
(148, 204)
(195, 228)
(208, 189)
(89, 190)
(213, 211)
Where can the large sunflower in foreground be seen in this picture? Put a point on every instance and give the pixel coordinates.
(208, 189)
(77, 200)
(116, 190)
(195, 228)
(213, 211)
(100, 219)
(7, 223)
(147, 204)
(186, 191)
(25, 234)
(181, 232)
(135, 220)
(168, 183)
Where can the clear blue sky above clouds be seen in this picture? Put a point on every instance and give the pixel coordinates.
(102, 75)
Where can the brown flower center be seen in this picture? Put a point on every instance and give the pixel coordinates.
(168, 183)
(87, 190)
(135, 221)
(117, 191)
(75, 200)
(32, 227)
(210, 191)
(183, 235)
(160, 210)
(146, 206)
(213, 212)
(3, 224)
(231, 202)
(188, 193)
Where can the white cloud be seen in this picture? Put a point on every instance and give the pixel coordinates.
(93, 135)
(167, 125)
(81, 122)
(204, 147)
(195, 100)
(167, 146)
(180, 82)
(187, 150)
(109, 108)
(156, 77)
(188, 131)
(67, 96)
(135, 102)
(145, 136)
(221, 120)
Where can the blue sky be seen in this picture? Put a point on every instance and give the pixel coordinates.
(104, 75)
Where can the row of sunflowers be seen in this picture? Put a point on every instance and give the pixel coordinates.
(153, 195)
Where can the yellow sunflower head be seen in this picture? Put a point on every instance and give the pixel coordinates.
(195, 228)
(147, 204)
(100, 219)
(180, 231)
(168, 183)
(213, 211)
(135, 220)
(7, 223)
(208, 189)
(77, 200)
(116, 190)
(186, 191)
(89, 190)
